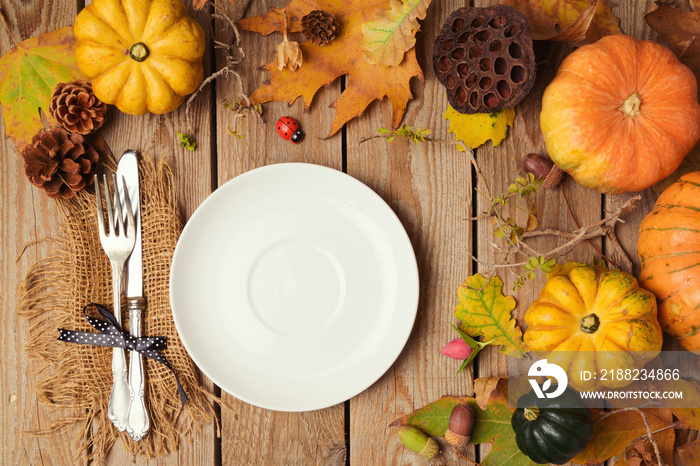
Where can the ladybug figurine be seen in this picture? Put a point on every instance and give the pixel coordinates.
(288, 128)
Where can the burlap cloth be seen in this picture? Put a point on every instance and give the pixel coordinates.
(77, 272)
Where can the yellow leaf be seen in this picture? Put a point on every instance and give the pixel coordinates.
(28, 74)
(485, 311)
(477, 128)
(393, 32)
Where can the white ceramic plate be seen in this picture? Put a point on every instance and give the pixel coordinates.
(294, 287)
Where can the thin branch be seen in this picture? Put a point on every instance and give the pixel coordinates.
(672, 426)
(233, 54)
(650, 434)
(626, 265)
(464, 457)
(495, 266)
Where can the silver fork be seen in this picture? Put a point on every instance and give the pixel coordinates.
(118, 246)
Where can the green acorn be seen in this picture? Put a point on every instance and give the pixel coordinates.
(416, 440)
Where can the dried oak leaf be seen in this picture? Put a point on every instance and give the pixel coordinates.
(28, 75)
(485, 311)
(343, 56)
(580, 21)
(689, 453)
(393, 32)
(680, 30)
(614, 433)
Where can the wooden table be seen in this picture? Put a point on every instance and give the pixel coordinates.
(428, 185)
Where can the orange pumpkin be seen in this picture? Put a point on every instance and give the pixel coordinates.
(669, 248)
(621, 114)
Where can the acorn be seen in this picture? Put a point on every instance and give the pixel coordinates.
(460, 426)
(416, 440)
(543, 168)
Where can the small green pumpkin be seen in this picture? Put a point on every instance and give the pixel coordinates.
(552, 430)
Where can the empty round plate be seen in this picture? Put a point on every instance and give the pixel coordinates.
(294, 287)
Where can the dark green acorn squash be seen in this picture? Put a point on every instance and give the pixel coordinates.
(552, 430)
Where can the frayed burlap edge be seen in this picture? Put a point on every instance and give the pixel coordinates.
(53, 294)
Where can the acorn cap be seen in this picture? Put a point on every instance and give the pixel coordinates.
(553, 178)
(456, 439)
(416, 440)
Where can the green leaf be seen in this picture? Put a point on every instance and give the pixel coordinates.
(186, 141)
(383, 131)
(28, 75)
(476, 346)
(485, 311)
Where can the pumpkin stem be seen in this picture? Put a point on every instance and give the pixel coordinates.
(531, 413)
(590, 323)
(632, 105)
(139, 51)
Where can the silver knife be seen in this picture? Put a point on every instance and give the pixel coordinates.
(137, 419)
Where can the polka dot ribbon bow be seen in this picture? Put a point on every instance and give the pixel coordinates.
(112, 335)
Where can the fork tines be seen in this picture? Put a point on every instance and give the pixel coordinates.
(118, 228)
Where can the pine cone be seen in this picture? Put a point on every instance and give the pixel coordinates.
(319, 27)
(75, 107)
(60, 163)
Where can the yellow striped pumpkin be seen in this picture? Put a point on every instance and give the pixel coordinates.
(593, 319)
(669, 248)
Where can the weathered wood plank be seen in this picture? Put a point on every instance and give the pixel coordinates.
(27, 214)
(501, 166)
(429, 187)
(253, 435)
(156, 135)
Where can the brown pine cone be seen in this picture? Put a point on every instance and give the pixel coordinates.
(75, 107)
(319, 27)
(60, 163)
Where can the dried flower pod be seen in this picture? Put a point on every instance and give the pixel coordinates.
(288, 54)
(484, 57)
(76, 108)
(319, 27)
(543, 168)
(416, 440)
(457, 349)
(460, 426)
(60, 163)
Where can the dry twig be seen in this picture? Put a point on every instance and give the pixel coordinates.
(233, 54)
(650, 434)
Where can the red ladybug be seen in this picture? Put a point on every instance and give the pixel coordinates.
(288, 128)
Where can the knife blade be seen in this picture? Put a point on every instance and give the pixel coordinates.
(128, 168)
(137, 419)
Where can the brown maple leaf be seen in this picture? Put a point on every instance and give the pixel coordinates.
(680, 30)
(343, 56)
